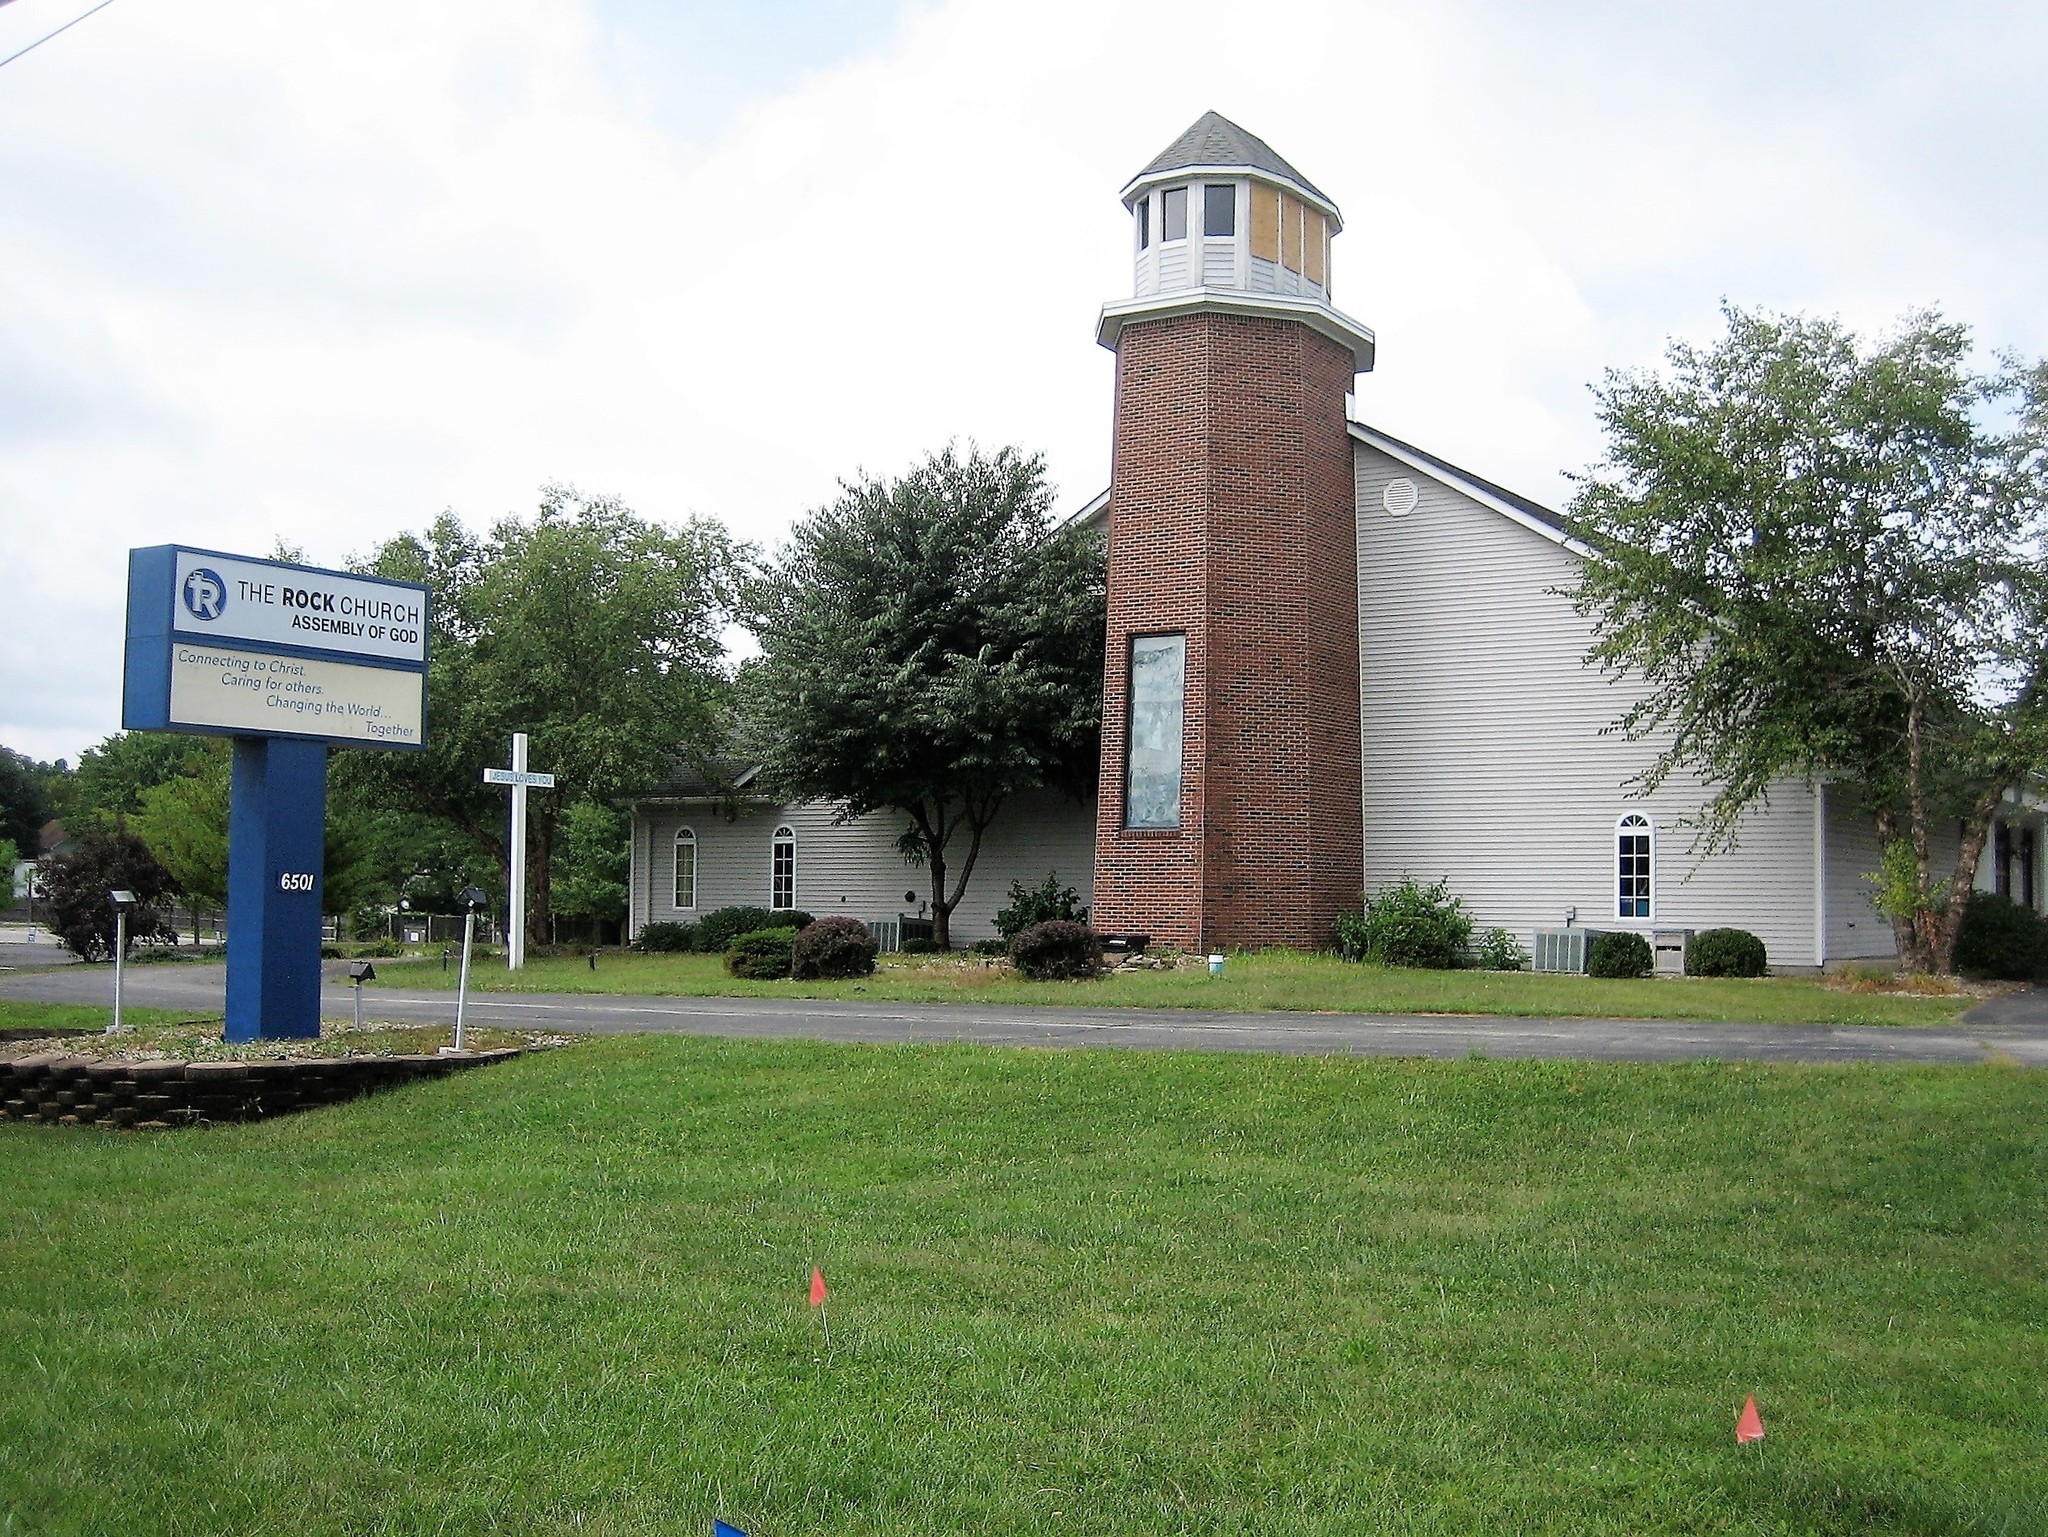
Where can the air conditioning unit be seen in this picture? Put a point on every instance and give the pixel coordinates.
(1667, 948)
(1561, 950)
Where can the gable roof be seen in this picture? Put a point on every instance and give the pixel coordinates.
(1213, 142)
(1513, 505)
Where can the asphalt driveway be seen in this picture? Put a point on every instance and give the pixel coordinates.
(2009, 1029)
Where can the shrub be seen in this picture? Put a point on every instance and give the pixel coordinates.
(763, 955)
(1057, 951)
(833, 947)
(1725, 953)
(717, 929)
(2000, 938)
(920, 946)
(1047, 903)
(1618, 955)
(75, 887)
(1498, 950)
(990, 947)
(666, 938)
(1408, 924)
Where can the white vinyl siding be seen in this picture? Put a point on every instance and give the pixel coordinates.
(1484, 754)
(854, 869)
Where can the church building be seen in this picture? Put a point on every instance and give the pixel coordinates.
(1334, 660)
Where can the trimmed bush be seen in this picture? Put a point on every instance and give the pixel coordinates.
(1057, 951)
(1498, 950)
(1725, 953)
(1047, 902)
(920, 946)
(832, 948)
(1408, 924)
(2001, 939)
(1619, 955)
(761, 956)
(666, 938)
(717, 929)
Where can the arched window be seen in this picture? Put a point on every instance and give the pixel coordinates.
(686, 868)
(1634, 859)
(782, 880)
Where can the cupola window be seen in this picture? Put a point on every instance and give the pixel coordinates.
(1144, 222)
(1219, 211)
(1173, 214)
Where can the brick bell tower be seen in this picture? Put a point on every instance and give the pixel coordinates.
(1230, 807)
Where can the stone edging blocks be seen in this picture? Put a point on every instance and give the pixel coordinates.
(155, 1096)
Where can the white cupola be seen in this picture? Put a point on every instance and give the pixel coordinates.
(1221, 224)
(1219, 209)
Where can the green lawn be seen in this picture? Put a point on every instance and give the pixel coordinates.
(1273, 979)
(1091, 1292)
(15, 1015)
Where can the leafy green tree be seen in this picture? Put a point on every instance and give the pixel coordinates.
(593, 863)
(184, 821)
(24, 797)
(1821, 556)
(108, 785)
(930, 647)
(590, 628)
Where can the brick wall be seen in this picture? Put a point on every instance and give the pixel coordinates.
(1232, 519)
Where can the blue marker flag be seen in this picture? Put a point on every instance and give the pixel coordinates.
(725, 1529)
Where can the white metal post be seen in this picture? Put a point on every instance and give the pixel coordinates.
(120, 958)
(515, 948)
(462, 986)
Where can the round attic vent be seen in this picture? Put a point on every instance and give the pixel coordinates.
(1400, 496)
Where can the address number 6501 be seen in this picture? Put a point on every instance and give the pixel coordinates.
(295, 880)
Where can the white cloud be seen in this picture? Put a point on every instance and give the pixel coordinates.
(317, 271)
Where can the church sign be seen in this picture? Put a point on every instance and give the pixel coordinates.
(288, 660)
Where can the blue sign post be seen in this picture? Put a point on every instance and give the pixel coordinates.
(289, 661)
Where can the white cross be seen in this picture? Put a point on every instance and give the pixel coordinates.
(520, 781)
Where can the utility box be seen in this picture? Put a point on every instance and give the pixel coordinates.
(1561, 950)
(1667, 950)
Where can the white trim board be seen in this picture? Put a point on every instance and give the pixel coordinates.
(1464, 487)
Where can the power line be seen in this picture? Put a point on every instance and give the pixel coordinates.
(74, 21)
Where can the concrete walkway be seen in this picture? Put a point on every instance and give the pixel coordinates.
(2016, 1030)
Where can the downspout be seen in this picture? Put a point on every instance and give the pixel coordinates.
(1820, 875)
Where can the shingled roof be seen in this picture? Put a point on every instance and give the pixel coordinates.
(1215, 141)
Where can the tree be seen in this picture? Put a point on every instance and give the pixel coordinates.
(24, 797)
(591, 629)
(593, 864)
(1825, 557)
(110, 779)
(184, 822)
(930, 647)
(76, 885)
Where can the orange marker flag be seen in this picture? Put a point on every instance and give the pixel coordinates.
(1748, 1428)
(818, 1298)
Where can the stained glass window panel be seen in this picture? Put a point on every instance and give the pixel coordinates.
(1158, 708)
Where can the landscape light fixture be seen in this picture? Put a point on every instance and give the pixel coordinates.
(360, 972)
(121, 902)
(471, 899)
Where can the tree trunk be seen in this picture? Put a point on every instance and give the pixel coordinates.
(1905, 937)
(540, 856)
(1963, 884)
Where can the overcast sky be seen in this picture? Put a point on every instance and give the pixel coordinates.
(317, 271)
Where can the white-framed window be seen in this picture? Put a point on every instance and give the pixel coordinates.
(1635, 866)
(1144, 223)
(1173, 214)
(686, 868)
(782, 870)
